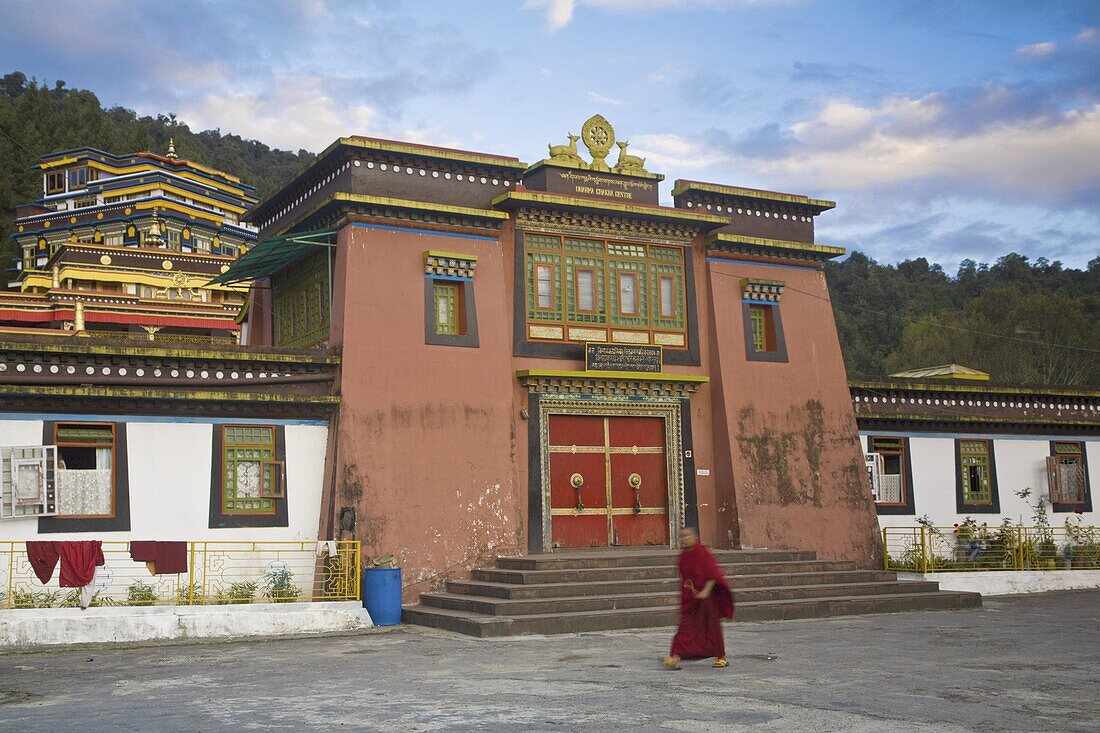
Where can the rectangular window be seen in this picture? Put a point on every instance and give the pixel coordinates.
(628, 294)
(1066, 474)
(668, 297)
(85, 469)
(545, 287)
(446, 296)
(762, 320)
(55, 182)
(892, 488)
(586, 290)
(976, 475)
(29, 477)
(252, 478)
(78, 178)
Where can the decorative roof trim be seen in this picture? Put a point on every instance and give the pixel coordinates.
(972, 388)
(428, 151)
(554, 200)
(610, 383)
(683, 186)
(159, 351)
(807, 249)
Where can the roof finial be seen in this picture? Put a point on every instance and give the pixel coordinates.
(172, 149)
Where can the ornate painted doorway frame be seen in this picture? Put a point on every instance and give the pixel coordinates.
(666, 410)
(614, 394)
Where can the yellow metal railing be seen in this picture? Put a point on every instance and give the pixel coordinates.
(219, 573)
(971, 547)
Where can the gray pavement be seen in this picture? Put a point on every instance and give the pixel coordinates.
(1024, 663)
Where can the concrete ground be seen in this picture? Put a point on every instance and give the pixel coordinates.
(1024, 663)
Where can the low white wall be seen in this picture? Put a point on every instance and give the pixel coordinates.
(1011, 582)
(32, 627)
(169, 478)
(1020, 463)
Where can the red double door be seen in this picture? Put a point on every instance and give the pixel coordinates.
(608, 481)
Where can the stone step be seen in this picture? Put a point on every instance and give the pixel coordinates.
(639, 558)
(668, 584)
(511, 607)
(572, 575)
(497, 606)
(482, 625)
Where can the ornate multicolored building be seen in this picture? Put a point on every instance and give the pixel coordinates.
(124, 247)
(544, 356)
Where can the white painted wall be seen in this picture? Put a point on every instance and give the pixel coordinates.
(169, 475)
(1020, 462)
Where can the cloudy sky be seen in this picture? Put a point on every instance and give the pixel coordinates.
(942, 129)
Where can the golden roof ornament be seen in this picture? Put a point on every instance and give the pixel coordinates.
(172, 149)
(599, 137)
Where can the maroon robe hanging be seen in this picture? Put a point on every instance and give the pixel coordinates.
(700, 633)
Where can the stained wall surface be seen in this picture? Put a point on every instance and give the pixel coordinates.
(787, 431)
(426, 433)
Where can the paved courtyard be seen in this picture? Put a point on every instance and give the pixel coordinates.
(1025, 663)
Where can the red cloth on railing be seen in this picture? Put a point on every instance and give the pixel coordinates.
(171, 558)
(79, 559)
(43, 557)
(143, 551)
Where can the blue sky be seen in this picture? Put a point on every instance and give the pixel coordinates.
(942, 129)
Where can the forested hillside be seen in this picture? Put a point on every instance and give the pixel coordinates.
(1034, 322)
(1021, 321)
(37, 118)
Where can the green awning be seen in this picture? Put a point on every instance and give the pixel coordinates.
(272, 255)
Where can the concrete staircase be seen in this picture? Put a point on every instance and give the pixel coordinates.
(599, 590)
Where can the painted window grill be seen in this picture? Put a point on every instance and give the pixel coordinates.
(976, 482)
(55, 182)
(29, 481)
(300, 303)
(597, 283)
(1066, 474)
(445, 296)
(251, 477)
(85, 482)
(892, 487)
(762, 322)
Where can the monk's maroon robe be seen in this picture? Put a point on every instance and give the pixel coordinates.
(700, 633)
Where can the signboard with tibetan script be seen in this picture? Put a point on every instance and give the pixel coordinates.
(626, 189)
(601, 357)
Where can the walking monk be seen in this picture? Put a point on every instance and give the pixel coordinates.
(705, 599)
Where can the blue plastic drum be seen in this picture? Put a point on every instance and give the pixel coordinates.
(382, 595)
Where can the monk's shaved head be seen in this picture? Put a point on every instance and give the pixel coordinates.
(688, 537)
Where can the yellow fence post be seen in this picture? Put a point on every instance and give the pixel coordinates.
(923, 549)
(885, 551)
(191, 575)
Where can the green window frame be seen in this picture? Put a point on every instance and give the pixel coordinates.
(976, 474)
(445, 299)
(580, 283)
(252, 478)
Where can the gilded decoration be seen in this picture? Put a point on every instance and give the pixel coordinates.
(579, 403)
(449, 264)
(756, 289)
(598, 136)
(604, 226)
(617, 384)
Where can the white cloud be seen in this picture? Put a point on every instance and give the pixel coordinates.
(597, 98)
(558, 12)
(295, 113)
(1028, 160)
(672, 152)
(1088, 35)
(1038, 50)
